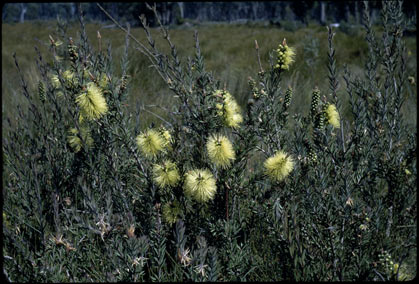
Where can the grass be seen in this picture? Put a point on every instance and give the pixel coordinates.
(228, 51)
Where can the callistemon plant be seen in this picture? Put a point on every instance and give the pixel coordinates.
(221, 190)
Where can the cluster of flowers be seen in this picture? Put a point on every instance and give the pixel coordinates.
(90, 100)
(228, 109)
(200, 184)
(86, 90)
(387, 263)
(328, 111)
(92, 105)
(332, 115)
(285, 56)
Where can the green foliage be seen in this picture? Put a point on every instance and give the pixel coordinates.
(81, 200)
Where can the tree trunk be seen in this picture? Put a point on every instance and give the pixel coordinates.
(22, 13)
(347, 13)
(255, 7)
(357, 16)
(373, 16)
(181, 9)
(73, 9)
(323, 12)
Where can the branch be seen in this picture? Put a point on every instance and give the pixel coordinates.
(258, 55)
(143, 49)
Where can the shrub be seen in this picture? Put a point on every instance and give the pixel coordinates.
(217, 192)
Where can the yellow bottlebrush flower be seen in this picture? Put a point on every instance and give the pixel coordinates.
(279, 166)
(171, 212)
(75, 138)
(332, 115)
(232, 116)
(220, 150)
(165, 134)
(55, 81)
(200, 185)
(219, 93)
(92, 103)
(228, 98)
(219, 109)
(166, 175)
(229, 109)
(68, 75)
(285, 56)
(150, 143)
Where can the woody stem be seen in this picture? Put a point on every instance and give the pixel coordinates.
(226, 190)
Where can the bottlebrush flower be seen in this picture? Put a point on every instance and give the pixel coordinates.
(332, 115)
(232, 116)
(285, 56)
(229, 109)
(55, 81)
(220, 150)
(279, 166)
(150, 143)
(92, 103)
(165, 134)
(75, 138)
(68, 75)
(166, 175)
(171, 212)
(200, 185)
(70, 78)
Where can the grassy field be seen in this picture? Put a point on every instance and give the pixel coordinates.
(228, 51)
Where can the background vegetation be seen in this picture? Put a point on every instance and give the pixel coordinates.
(229, 50)
(278, 12)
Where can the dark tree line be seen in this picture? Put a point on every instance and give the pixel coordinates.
(179, 12)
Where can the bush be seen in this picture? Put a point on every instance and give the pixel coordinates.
(216, 193)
